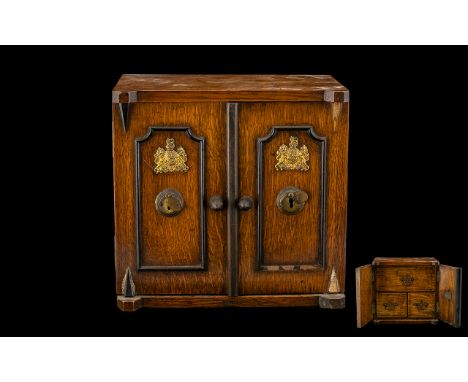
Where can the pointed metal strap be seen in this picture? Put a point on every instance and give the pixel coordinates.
(128, 287)
(333, 285)
(124, 114)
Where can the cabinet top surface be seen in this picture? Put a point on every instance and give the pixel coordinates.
(405, 261)
(236, 87)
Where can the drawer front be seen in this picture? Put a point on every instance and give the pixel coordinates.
(421, 305)
(405, 279)
(392, 305)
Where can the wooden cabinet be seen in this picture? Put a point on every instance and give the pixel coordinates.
(408, 290)
(230, 190)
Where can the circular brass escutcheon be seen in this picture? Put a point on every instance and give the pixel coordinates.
(169, 202)
(291, 200)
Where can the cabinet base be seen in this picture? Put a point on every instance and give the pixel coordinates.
(332, 301)
(327, 301)
(407, 321)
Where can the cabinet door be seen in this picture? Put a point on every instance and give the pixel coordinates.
(168, 161)
(364, 295)
(450, 287)
(293, 160)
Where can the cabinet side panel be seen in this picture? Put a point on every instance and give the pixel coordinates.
(124, 217)
(364, 295)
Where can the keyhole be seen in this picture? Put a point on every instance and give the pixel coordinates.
(291, 201)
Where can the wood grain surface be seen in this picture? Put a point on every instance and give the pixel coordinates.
(364, 295)
(392, 278)
(174, 240)
(196, 88)
(203, 301)
(293, 239)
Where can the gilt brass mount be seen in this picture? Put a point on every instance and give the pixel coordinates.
(169, 202)
(170, 160)
(292, 157)
(291, 200)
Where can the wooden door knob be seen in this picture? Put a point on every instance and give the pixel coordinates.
(245, 203)
(216, 202)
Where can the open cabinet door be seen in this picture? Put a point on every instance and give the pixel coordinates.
(450, 285)
(364, 295)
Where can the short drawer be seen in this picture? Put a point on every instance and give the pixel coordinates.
(421, 305)
(392, 305)
(405, 279)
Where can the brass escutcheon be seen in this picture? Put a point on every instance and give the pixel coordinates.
(169, 202)
(407, 280)
(291, 200)
(390, 305)
(421, 305)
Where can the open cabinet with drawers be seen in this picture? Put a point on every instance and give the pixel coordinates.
(230, 190)
(408, 290)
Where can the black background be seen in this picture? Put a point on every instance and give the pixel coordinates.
(407, 171)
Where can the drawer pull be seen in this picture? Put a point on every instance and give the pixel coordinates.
(421, 305)
(390, 305)
(407, 280)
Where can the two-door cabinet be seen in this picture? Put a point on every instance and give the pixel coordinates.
(230, 190)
